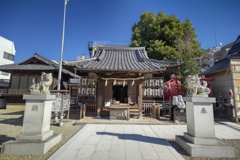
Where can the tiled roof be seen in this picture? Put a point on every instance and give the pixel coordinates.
(28, 66)
(41, 58)
(218, 66)
(70, 73)
(112, 58)
(25, 67)
(223, 64)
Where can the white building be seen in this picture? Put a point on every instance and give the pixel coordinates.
(7, 54)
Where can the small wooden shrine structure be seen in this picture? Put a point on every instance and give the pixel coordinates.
(117, 76)
(23, 73)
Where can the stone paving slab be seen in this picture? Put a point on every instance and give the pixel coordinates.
(122, 142)
(144, 121)
(130, 142)
(222, 131)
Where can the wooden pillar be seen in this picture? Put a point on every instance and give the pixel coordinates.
(99, 98)
(140, 98)
(81, 111)
(84, 110)
(68, 107)
(158, 112)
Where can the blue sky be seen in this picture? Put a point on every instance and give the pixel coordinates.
(35, 26)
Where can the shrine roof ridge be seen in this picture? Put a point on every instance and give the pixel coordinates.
(120, 48)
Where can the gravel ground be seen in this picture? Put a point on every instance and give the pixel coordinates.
(11, 125)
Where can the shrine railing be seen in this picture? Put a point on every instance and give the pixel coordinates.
(152, 108)
(91, 109)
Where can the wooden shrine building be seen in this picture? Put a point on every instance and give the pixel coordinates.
(113, 76)
(23, 73)
(116, 76)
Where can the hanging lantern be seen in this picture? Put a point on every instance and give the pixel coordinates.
(124, 82)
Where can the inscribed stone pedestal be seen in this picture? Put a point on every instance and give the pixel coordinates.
(199, 112)
(36, 137)
(200, 141)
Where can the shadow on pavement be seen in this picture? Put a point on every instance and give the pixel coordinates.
(137, 137)
(13, 113)
(3, 139)
(13, 121)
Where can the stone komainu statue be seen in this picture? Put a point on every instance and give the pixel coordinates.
(178, 100)
(43, 86)
(195, 88)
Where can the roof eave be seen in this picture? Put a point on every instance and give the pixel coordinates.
(214, 72)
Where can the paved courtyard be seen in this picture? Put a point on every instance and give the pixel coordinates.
(130, 142)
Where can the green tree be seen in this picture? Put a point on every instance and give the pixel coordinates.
(167, 38)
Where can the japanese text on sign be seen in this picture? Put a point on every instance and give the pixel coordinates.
(203, 111)
(34, 108)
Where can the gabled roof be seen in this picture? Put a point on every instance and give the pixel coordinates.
(220, 65)
(9, 67)
(115, 58)
(40, 58)
(223, 64)
(35, 63)
(235, 49)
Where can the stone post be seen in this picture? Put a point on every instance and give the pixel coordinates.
(36, 137)
(200, 141)
(200, 121)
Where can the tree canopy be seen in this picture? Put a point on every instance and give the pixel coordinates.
(167, 38)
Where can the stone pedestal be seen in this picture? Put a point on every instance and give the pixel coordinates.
(36, 137)
(200, 140)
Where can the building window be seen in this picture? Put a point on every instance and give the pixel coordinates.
(4, 73)
(8, 56)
